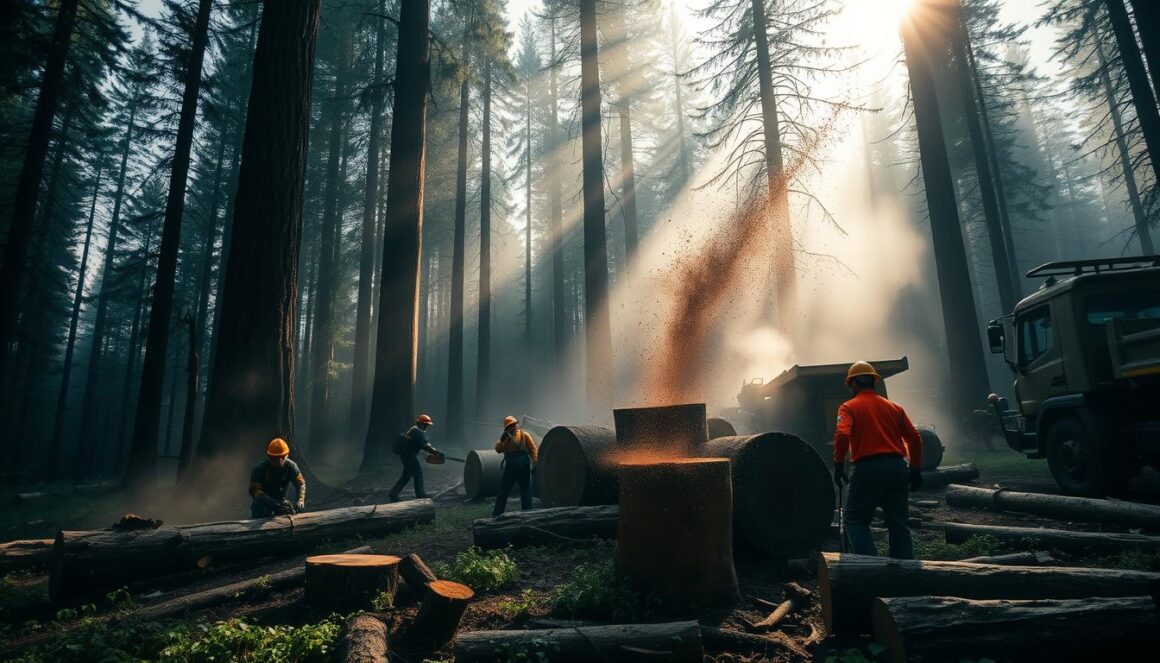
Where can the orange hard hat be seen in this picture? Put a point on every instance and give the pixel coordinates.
(861, 368)
(278, 448)
(424, 419)
(510, 421)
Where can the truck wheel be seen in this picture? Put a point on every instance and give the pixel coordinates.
(1075, 462)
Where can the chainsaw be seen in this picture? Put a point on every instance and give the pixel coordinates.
(440, 458)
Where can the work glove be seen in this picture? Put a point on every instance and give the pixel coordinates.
(285, 508)
(840, 478)
(915, 479)
(267, 501)
(300, 506)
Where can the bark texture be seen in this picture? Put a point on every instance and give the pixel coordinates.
(543, 527)
(1061, 507)
(676, 641)
(1105, 542)
(576, 466)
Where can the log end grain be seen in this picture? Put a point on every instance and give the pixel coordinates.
(440, 613)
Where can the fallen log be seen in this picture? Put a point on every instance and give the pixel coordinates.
(1062, 507)
(796, 597)
(948, 474)
(92, 561)
(24, 554)
(1014, 559)
(1100, 542)
(546, 526)
(676, 642)
(344, 583)
(939, 628)
(848, 583)
(440, 613)
(416, 575)
(365, 640)
(576, 466)
(482, 473)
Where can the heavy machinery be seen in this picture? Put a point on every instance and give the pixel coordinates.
(1085, 352)
(804, 401)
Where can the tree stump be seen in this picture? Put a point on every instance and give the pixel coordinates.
(349, 582)
(668, 431)
(416, 575)
(675, 534)
(440, 614)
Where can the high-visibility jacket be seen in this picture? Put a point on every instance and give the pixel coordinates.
(272, 480)
(870, 425)
(520, 441)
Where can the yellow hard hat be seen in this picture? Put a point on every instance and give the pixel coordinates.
(510, 421)
(278, 448)
(861, 368)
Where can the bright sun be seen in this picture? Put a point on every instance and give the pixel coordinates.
(874, 24)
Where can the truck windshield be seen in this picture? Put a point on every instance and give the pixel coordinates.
(1122, 305)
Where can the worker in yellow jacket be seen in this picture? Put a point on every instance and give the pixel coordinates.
(519, 457)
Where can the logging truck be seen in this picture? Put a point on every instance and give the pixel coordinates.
(1085, 353)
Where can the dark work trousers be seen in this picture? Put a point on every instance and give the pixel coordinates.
(517, 468)
(879, 481)
(259, 510)
(411, 470)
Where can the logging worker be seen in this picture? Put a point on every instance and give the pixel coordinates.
(269, 480)
(407, 446)
(879, 437)
(519, 457)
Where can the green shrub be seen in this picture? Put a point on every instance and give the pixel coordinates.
(595, 590)
(520, 608)
(235, 640)
(479, 570)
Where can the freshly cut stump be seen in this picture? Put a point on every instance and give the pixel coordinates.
(482, 473)
(676, 642)
(783, 497)
(719, 427)
(442, 610)
(349, 582)
(414, 571)
(576, 466)
(675, 534)
(932, 448)
(941, 628)
(667, 430)
(365, 641)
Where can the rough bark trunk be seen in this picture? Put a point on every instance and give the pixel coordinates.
(528, 345)
(366, 641)
(25, 554)
(345, 583)
(675, 641)
(192, 367)
(1014, 559)
(440, 613)
(31, 172)
(849, 583)
(483, 329)
(948, 474)
(416, 575)
(930, 628)
(541, 527)
(89, 561)
(1147, 14)
(143, 448)
(555, 214)
(628, 184)
(597, 325)
(1147, 114)
(393, 402)
(455, 416)
(1101, 542)
(960, 318)
(1112, 512)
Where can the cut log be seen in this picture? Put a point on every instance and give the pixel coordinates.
(576, 466)
(675, 533)
(94, 561)
(676, 642)
(24, 554)
(796, 597)
(416, 575)
(345, 583)
(546, 526)
(439, 615)
(365, 640)
(719, 427)
(667, 430)
(848, 583)
(783, 497)
(1014, 559)
(949, 474)
(932, 448)
(1099, 542)
(939, 628)
(482, 473)
(1062, 507)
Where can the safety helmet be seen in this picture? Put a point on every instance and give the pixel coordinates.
(424, 419)
(861, 368)
(278, 448)
(510, 421)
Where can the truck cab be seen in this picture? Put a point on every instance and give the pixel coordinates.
(1085, 354)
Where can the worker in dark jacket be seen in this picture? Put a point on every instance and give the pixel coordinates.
(879, 437)
(519, 457)
(269, 480)
(408, 447)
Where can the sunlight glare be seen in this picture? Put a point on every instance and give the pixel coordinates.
(874, 24)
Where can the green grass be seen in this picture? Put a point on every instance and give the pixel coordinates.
(1003, 462)
(937, 549)
(595, 591)
(449, 525)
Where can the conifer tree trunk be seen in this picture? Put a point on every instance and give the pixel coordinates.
(528, 220)
(362, 328)
(627, 87)
(597, 326)
(455, 418)
(926, 30)
(251, 397)
(32, 171)
(483, 349)
(555, 213)
(1146, 112)
(1147, 14)
(393, 400)
(143, 452)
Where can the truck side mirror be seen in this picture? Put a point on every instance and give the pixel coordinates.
(996, 337)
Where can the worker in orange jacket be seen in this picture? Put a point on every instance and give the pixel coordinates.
(879, 437)
(519, 456)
